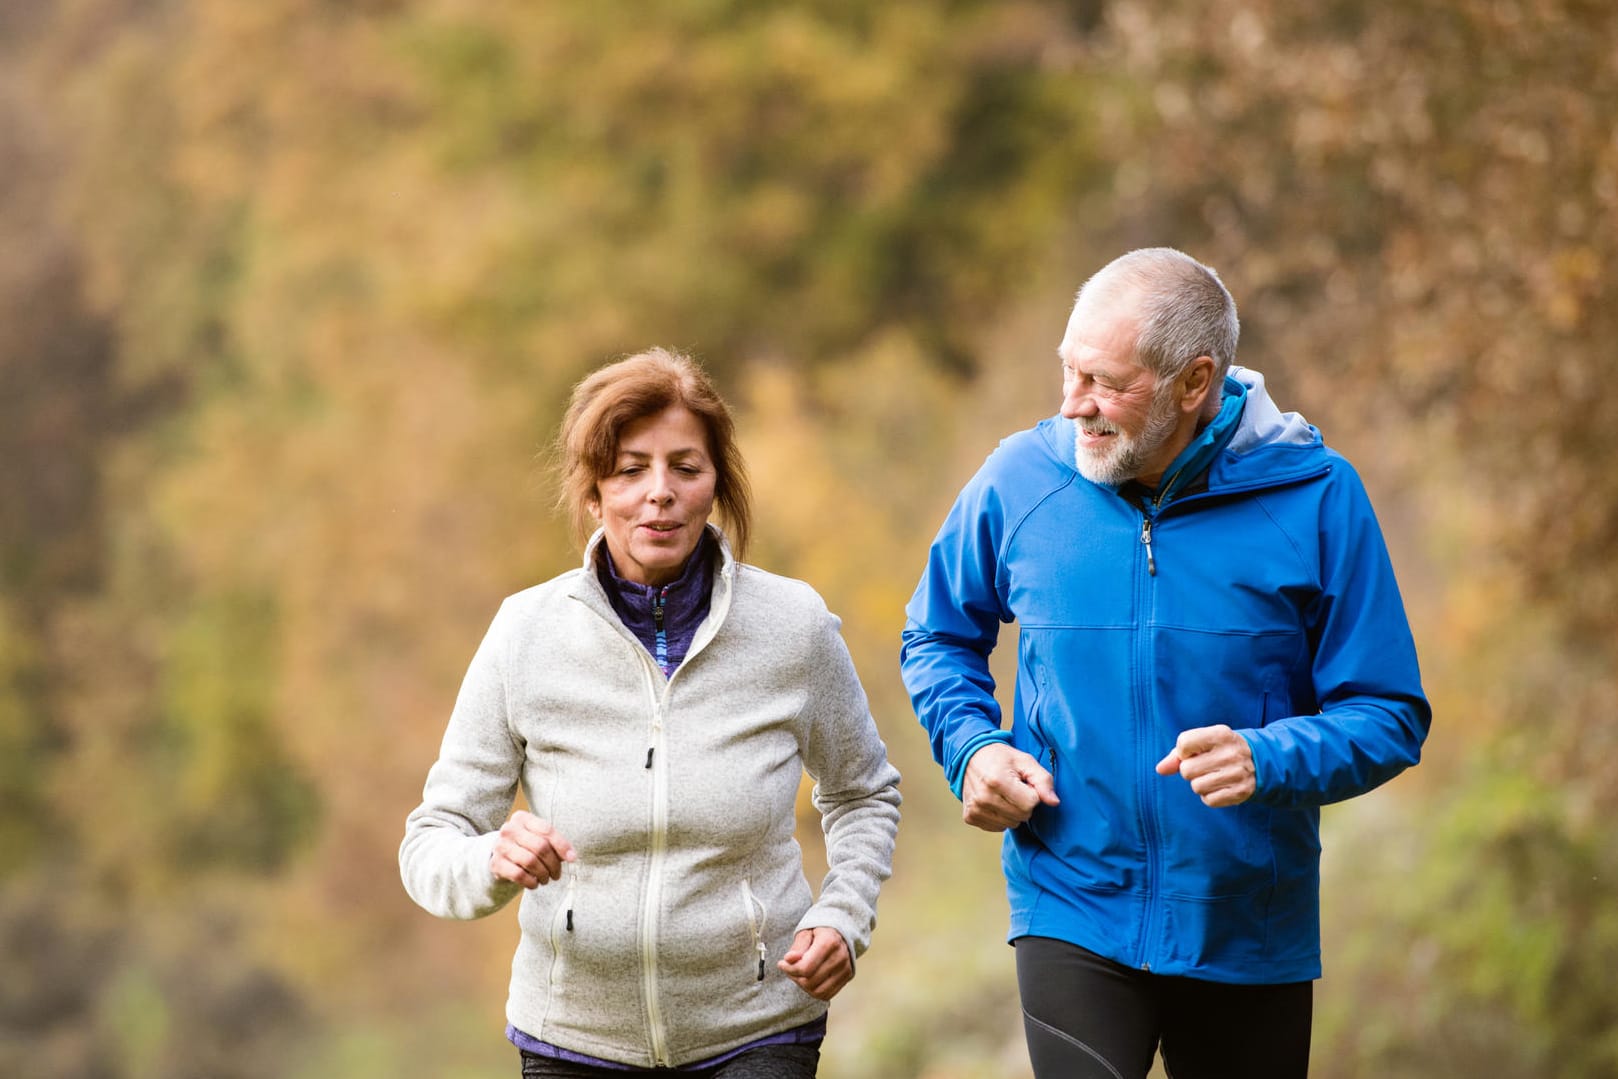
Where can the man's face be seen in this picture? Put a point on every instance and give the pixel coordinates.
(1124, 425)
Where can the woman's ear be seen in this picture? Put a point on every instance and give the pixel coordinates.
(594, 506)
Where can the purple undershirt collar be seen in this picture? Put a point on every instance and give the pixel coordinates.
(664, 618)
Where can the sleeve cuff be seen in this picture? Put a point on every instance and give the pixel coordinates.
(957, 773)
(1253, 745)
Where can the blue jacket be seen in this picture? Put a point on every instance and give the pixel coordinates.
(1255, 592)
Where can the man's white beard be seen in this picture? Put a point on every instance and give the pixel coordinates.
(1124, 457)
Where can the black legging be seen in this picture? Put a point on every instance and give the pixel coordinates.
(1090, 1018)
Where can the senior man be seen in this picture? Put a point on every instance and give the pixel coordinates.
(1212, 646)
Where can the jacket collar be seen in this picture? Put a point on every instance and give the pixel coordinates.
(1195, 459)
(587, 589)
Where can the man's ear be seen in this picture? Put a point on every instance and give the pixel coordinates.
(1196, 383)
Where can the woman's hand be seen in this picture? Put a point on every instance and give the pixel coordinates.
(529, 851)
(819, 962)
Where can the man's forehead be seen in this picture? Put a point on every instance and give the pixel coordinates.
(1100, 325)
(1107, 299)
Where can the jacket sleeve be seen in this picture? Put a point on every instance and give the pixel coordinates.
(856, 792)
(1373, 713)
(952, 623)
(444, 859)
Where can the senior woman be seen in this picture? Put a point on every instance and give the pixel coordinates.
(658, 707)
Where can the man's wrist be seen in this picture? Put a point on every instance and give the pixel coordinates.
(957, 777)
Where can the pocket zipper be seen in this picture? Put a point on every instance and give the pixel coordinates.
(749, 901)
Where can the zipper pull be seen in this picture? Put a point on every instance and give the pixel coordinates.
(761, 956)
(657, 610)
(649, 756)
(1146, 538)
(570, 919)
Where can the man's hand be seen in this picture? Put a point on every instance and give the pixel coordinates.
(529, 851)
(1216, 761)
(818, 961)
(1002, 787)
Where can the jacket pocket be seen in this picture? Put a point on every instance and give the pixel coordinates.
(562, 924)
(756, 915)
(1275, 702)
(1034, 675)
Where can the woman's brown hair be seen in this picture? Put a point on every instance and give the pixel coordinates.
(612, 397)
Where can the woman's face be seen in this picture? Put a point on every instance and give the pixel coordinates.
(656, 500)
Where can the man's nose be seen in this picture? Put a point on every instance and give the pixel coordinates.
(1077, 402)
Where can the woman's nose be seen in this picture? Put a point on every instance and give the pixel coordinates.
(661, 490)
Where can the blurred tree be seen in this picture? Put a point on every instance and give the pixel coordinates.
(87, 827)
(55, 415)
(291, 293)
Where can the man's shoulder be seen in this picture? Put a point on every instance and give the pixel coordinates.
(1043, 452)
(1021, 472)
(1049, 437)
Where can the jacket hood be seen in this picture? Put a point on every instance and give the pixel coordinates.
(1262, 422)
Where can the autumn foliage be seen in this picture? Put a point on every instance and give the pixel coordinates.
(291, 294)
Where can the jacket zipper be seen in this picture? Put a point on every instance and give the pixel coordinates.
(661, 635)
(572, 887)
(1148, 513)
(1150, 510)
(1145, 750)
(656, 1032)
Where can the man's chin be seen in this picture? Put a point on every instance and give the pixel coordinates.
(1107, 472)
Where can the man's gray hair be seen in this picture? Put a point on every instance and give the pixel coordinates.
(1185, 309)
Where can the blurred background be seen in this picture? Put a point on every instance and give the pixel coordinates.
(292, 291)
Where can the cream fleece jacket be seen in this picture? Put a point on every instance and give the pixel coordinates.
(658, 946)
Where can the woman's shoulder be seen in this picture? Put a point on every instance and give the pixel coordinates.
(541, 598)
(775, 584)
(782, 616)
(782, 600)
